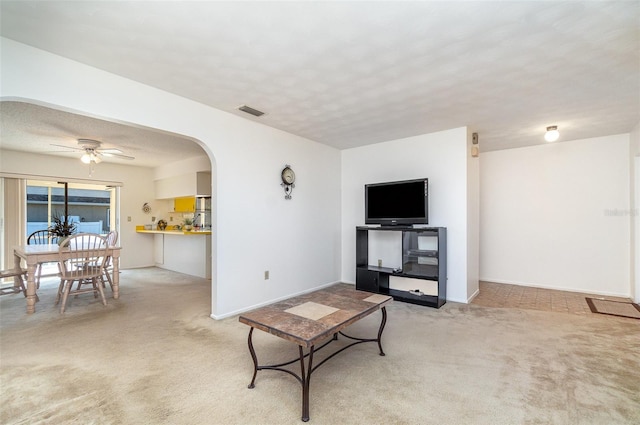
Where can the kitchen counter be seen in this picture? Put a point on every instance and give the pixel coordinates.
(174, 251)
(176, 232)
(171, 231)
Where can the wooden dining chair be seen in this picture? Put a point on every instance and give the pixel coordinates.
(81, 259)
(19, 276)
(112, 239)
(41, 237)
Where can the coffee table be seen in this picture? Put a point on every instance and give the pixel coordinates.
(311, 319)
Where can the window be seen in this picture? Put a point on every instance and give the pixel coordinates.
(91, 207)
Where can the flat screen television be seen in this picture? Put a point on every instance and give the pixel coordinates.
(397, 203)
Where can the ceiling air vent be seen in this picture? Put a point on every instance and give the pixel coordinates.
(250, 110)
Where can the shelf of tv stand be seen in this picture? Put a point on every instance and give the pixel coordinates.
(382, 287)
(423, 252)
(431, 275)
(410, 297)
(380, 269)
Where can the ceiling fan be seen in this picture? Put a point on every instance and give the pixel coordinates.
(93, 153)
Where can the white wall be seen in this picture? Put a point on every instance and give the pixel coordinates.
(635, 212)
(473, 221)
(441, 157)
(255, 228)
(635, 252)
(556, 216)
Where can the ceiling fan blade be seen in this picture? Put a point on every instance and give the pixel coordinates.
(68, 147)
(117, 155)
(111, 150)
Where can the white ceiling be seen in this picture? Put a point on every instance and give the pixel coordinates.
(34, 128)
(354, 73)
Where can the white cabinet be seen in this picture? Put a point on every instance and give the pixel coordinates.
(191, 184)
(188, 254)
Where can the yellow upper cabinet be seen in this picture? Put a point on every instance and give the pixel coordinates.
(185, 204)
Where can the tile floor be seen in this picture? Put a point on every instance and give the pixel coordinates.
(525, 297)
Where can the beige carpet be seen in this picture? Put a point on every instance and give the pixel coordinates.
(155, 357)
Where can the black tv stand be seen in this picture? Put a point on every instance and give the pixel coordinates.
(422, 278)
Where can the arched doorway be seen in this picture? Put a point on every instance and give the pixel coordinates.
(36, 135)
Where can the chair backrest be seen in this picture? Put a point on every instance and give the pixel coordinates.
(82, 256)
(112, 238)
(41, 237)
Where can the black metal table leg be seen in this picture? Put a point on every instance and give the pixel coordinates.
(255, 360)
(382, 324)
(306, 379)
(306, 370)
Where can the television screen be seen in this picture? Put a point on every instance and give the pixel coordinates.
(396, 203)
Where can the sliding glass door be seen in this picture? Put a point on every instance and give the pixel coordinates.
(90, 207)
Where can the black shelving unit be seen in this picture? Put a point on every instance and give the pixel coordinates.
(417, 263)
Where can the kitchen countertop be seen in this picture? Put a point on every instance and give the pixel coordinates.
(175, 232)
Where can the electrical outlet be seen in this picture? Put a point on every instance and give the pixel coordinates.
(128, 218)
(266, 275)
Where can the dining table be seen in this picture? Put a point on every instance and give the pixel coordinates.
(47, 253)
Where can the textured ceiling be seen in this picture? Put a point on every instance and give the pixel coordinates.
(34, 128)
(353, 73)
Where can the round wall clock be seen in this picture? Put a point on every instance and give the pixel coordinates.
(288, 176)
(288, 180)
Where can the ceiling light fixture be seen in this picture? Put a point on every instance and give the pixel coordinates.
(90, 157)
(552, 134)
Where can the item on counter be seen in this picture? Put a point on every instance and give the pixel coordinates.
(162, 224)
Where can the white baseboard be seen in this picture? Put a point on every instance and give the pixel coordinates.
(557, 288)
(475, 294)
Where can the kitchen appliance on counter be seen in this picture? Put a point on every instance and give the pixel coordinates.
(202, 215)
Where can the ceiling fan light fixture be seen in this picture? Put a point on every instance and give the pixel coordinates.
(552, 134)
(90, 158)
